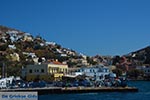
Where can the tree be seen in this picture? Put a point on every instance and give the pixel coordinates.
(116, 59)
(118, 72)
(90, 61)
(3, 47)
(134, 73)
(58, 46)
(71, 64)
(61, 59)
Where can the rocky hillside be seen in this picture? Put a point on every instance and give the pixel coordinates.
(17, 49)
(141, 56)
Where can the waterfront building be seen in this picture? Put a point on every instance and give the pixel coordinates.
(97, 71)
(46, 71)
(145, 69)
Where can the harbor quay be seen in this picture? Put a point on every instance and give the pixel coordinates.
(68, 90)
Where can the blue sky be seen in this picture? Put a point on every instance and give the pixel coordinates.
(105, 27)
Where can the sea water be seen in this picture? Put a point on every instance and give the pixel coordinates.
(143, 94)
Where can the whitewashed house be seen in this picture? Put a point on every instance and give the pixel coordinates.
(98, 71)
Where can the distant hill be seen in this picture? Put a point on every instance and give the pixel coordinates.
(141, 55)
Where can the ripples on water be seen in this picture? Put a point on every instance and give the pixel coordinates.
(143, 94)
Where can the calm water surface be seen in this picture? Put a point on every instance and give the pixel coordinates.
(143, 94)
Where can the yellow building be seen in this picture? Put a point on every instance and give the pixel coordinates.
(46, 71)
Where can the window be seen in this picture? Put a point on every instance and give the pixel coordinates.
(30, 71)
(90, 70)
(93, 71)
(66, 70)
(42, 70)
(37, 70)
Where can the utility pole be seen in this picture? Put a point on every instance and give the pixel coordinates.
(3, 70)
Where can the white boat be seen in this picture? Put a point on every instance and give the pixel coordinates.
(8, 82)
